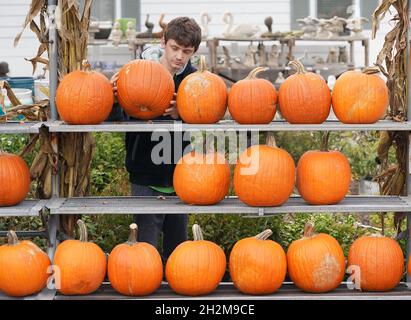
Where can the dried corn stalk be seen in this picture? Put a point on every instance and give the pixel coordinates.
(392, 179)
(75, 149)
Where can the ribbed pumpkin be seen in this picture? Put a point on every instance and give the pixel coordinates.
(84, 97)
(409, 267)
(202, 179)
(323, 177)
(264, 175)
(304, 97)
(14, 179)
(257, 265)
(135, 268)
(360, 97)
(202, 96)
(380, 261)
(253, 100)
(24, 267)
(316, 262)
(195, 267)
(144, 89)
(82, 265)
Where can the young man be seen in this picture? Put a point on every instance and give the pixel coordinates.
(181, 40)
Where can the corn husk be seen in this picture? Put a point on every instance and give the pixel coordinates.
(392, 61)
(72, 159)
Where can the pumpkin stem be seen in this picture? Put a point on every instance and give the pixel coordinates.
(86, 65)
(197, 232)
(297, 66)
(308, 229)
(372, 70)
(253, 73)
(132, 239)
(324, 143)
(270, 141)
(12, 238)
(83, 230)
(264, 235)
(203, 65)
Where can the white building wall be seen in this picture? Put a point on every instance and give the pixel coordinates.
(12, 14)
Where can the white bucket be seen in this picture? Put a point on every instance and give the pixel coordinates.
(24, 95)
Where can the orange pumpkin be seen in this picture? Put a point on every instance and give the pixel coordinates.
(81, 265)
(202, 96)
(14, 179)
(409, 267)
(323, 177)
(84, 97)
(316, 262)
(135, 268)
(24, 267)
(195, 267)
(202, 179)
(257, 265)
(144, 89)
(304, 97)
(360, 97)
(264, 175)
(253, 100)
(380, 262)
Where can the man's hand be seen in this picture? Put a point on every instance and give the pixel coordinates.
(172, 110)
(113, 82)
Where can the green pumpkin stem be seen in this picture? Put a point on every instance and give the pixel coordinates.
(264, 235)
(324, 143)
(132, 239)
(12, 238)
(372, 70)
(297, 66)
(197, 233)
(82, 230)
(308, 230)
(203, 66)
(253, 73)
(270, 140)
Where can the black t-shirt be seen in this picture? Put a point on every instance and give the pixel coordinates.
(139, 163)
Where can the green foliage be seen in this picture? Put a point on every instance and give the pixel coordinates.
(359, 147)
(109, 178)
(109, 230)
(226, 230)
(108, 175)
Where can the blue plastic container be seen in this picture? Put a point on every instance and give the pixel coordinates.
(22, 82)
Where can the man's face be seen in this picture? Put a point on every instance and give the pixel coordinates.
(176, 55)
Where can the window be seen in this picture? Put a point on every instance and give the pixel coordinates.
(329, 8)
(109, 10)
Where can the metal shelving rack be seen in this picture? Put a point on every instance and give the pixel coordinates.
(57, 206)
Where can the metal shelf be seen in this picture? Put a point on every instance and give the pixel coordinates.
(20, 127)
(144, 126)
(227, 291)
(230, 205)
(45, 294)
(25, 208)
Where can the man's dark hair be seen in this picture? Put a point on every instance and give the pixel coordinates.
(185, 31)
